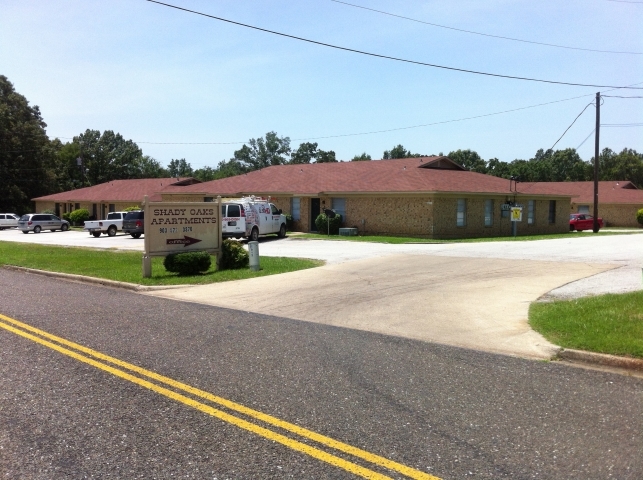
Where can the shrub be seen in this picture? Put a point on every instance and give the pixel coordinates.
(188, 263)
(131, 209)
(323, 224)
(67, 216)
(233, 256)
(79, 216)
(289, 222)
(639, 216)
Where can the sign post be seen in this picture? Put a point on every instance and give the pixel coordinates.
(177, 227)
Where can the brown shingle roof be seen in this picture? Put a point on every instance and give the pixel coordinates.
(377, 176)
(623, 191)
(117, 190)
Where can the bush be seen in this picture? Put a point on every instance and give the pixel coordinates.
(322, 224)
(67, 216)
(79, 216)
(639, 216)
(188, 263)
(233, 256)
(131, 209)
(289, 222)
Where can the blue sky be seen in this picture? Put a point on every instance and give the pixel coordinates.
(155, 74)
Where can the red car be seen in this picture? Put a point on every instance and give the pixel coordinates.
(583, 221)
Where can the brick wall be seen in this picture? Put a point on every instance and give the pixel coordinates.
(433, 216)
(614, 215)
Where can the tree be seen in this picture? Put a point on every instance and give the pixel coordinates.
(567, 166)
(180, 168)
(361, 158)
(469, 160)
(150, 168)
(306, 153)
(229, 168)
(205, 174)
(69, 174)
(399, 152)
(326, 157)
(262, 153)
(627, 165)
(108, 156)
(498, 169)
(26, 154)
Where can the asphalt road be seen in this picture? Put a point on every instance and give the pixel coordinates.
(451, 412)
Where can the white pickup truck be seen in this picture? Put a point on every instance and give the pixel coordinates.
(112, 224)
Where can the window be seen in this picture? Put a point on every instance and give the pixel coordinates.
(531, 212)
(112, 207)
(552, 211)
(208, 199)
(583, 208)
(488, 213)
(295, 208)
(77, 206)
(234, 211)
(339, 206)
(461, 218)
(274, 210)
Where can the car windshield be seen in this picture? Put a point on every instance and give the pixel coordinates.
(24, 218)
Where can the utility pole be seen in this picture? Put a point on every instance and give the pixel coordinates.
(596, 152)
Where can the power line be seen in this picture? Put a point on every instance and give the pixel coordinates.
(397, 59)
(620, 96)
(369, 132)
(376, 131)
(590, 134)
(484, 34)
(583, 111)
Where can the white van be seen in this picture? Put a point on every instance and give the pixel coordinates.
(249, 217)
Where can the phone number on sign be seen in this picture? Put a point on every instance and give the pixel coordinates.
(175, 230)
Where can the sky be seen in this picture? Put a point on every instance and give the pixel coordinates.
(183, 85)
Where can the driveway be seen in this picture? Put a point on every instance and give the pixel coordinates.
(473, 295)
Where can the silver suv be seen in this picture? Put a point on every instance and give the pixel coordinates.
(41, 221)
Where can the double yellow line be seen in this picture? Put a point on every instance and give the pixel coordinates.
(96, 359)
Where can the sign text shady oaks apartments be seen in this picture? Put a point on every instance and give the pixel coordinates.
(175, 227)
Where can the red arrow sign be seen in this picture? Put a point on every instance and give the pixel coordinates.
(185, 241)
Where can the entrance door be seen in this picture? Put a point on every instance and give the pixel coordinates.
(315, 210)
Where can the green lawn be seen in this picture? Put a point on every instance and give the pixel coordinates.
(127, 266)
(606, 324)
(399, 240)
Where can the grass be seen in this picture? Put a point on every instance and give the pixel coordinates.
(401, 240)
(606, 324)
(127, 266)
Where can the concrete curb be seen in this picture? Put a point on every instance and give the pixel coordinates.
(95, 281)
(600, 359)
